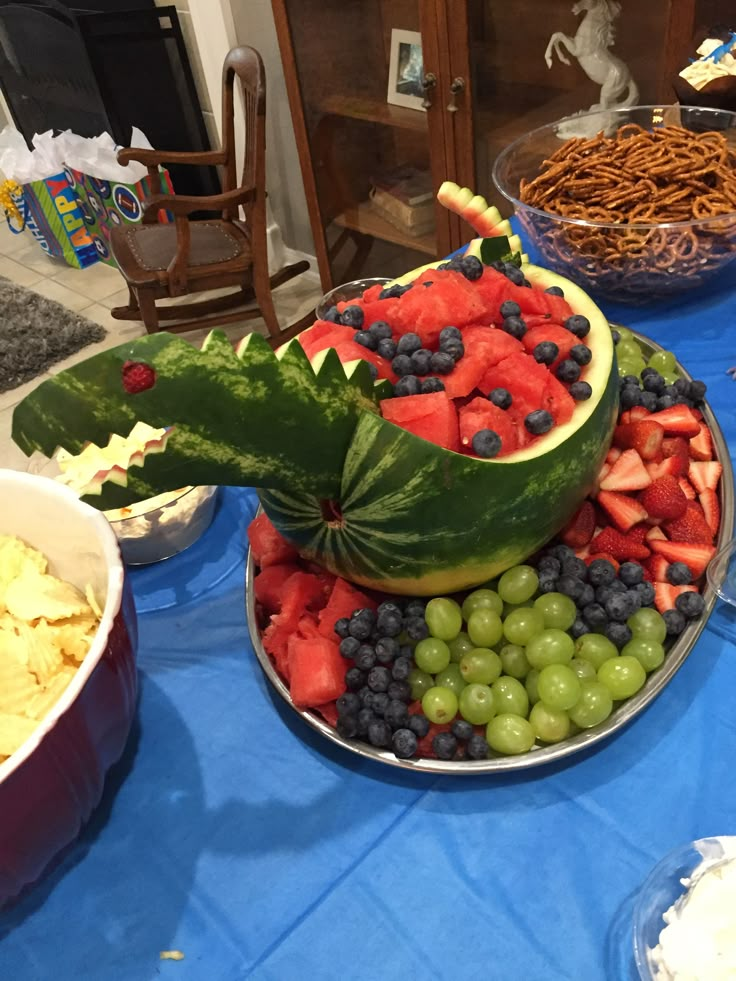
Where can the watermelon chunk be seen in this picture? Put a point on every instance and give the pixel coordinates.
(344, 600)
(268, 585)
(316, 671)
(432, 417)
(482, 414)
(351, 351)
(564, 339)
(449, 300)
(323, 334)
(558, 307)
(267, 545)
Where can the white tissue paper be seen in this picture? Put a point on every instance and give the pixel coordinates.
(20, 164)
(96, 156)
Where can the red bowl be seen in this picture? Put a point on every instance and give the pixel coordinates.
(52, 783)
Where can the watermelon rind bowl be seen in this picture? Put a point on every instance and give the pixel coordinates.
(539, 754)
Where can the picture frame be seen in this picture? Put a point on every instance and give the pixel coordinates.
(406, 70)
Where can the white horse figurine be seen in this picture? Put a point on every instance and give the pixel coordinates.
(594, 37)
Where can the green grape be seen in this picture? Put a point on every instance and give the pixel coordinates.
(443, 617)
(510, 607)
(625, 367)
(649, 653)
(451, 678)
(510, 696)
(460, 645)
(595, 648)
(663, 361)
(628, 350)
(514, 661)
(647, 624)
(420, 682)
(594, 705)
(431, 655)
(480, 666)
(583, 669)
(530, 683)
(670, 377)
(557, 609)
(637, 365)
(477, 704)
(482, 599)
(624, 334)
(518, 584)
(439, 704)
(622, 676)
(485, 628)
(552, 646)
(558, 687)
(510, 734)
(550, 725)
(520, 626)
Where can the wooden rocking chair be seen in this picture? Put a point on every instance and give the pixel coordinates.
(190, 256)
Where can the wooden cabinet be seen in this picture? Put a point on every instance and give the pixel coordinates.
(485, 81)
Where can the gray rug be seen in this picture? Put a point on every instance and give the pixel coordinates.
(36, 333)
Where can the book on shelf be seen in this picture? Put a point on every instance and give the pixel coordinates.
(405, 183)
(413, 221)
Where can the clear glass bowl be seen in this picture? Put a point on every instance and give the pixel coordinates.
(663, 888)
(163, 526)
(348, 291)
(721, 573)
(634, 263)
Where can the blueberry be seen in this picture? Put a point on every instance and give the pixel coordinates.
(450, 334)
(396, 714)
(379, 734)
(561, 552)
(601, 572)
(348, 704)
(389, 622)
(682, 386)
(630, 573)
(380, 702)
(578, 325)
(595, 616)
(415, 608)
(416, 628)
(548, 563)
(380, 330)
(401, 669)
(349, 646)
(646, 592)
(618, 633)
(347, 726)
(653, 383)
(580, 391)
(630, 396)
(366, 339)
(354, 679)
(419, 725)
(501, 397)
(352, 317)
(568, 371)
(513, 273)
(665, 402)
(333, 316)
(402, 365)
(690, 604)
(400, 690)
(545, 352)
(342, 627)
(570, 586)
(679, 574)
(393, 292)
(441, 363)
(486, 443)
(387, 649)
(365, 657)
(555, 291)
(604, 593)
(649, 401)
(404, 743)
(431, 385)
(618, 608)
(581, 354)
(574, 566)
(461, 730)
(379, 678)
(477, 747)
(364, 718)
(510, 308)
(455, 349)
(408, 344)
(472, 267)
(578, 628)
(587, 595)
(444, 745)
(366, 697)
(629, 380)
(697, 390)
(408, 385)
(387, 348)
(361, 623)
(674, 621)
(547, 584)
(514, 326)
(539, 422)
(421, 361)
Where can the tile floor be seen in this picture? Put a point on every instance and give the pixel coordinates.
(92, 293)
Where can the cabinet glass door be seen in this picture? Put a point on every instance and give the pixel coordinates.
(361, 67)
(531, 62)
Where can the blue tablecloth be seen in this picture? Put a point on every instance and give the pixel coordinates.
(232, 832)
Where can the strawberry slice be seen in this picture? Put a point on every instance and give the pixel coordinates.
(690, 526)
(654, 532)
(678, 420)
(664, 498)
(638, 533)
(672, 466)
(657, 565)
(612, 542)
(665, 595)
(701, 446)
(711, 509)
(644, 436)
(628, 473)
(613, 454)
(705, 474)
(696, 557)
(687, 488)
(632, 415)
(581, 526)
(624, 510)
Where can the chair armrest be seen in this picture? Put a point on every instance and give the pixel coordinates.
(181, 205)
(152, 158)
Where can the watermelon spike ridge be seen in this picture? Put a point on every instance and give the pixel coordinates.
(473, 208)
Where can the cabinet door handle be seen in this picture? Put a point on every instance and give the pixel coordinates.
(457, 85)
(428, 83)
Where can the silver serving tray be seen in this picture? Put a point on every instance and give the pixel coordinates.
(540, 754)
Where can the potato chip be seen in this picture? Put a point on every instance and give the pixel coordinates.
(14, 730)
(44, 654)
(15, 558)
(17, 687)
(46, 696)
(31, 596)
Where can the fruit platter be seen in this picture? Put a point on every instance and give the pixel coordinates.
(486, 513)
